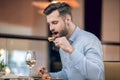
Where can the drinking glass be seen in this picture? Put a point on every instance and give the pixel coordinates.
(30, 60)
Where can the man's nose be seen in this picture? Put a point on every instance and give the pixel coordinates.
(52, 28)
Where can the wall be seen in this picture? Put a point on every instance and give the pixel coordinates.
(21, 18)
(111, 29)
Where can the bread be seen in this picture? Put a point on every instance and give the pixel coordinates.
(50, 39)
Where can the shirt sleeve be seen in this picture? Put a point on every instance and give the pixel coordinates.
(89, 61)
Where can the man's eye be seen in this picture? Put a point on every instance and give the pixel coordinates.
(55, 22)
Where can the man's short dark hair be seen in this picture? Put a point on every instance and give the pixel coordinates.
(62, 7)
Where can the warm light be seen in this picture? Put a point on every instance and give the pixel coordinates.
(7, 71)
(43, 4)
(54, 1)
(2, 52)
(40, 11)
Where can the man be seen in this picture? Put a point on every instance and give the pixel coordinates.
(80, 51)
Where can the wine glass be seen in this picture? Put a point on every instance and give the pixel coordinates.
(30, 60)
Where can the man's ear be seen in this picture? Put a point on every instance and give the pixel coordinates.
(68, 19)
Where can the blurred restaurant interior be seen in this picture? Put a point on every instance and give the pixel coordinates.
(23, 27)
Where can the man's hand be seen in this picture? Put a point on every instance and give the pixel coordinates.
(42, 73)
(63, 43)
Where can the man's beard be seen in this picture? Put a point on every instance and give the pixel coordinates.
(64, 32)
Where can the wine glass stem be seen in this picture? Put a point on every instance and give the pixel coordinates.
(30, 74)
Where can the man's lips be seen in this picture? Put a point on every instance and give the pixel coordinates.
(55, 34)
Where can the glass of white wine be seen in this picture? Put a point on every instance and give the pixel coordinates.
(30, 60)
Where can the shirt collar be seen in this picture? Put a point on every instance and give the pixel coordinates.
(73, 37)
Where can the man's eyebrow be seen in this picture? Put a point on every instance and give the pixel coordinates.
(55, 21)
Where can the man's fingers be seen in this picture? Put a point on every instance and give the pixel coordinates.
(46, 76)
(43, 73)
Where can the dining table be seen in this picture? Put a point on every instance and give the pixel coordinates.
(14, 77)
